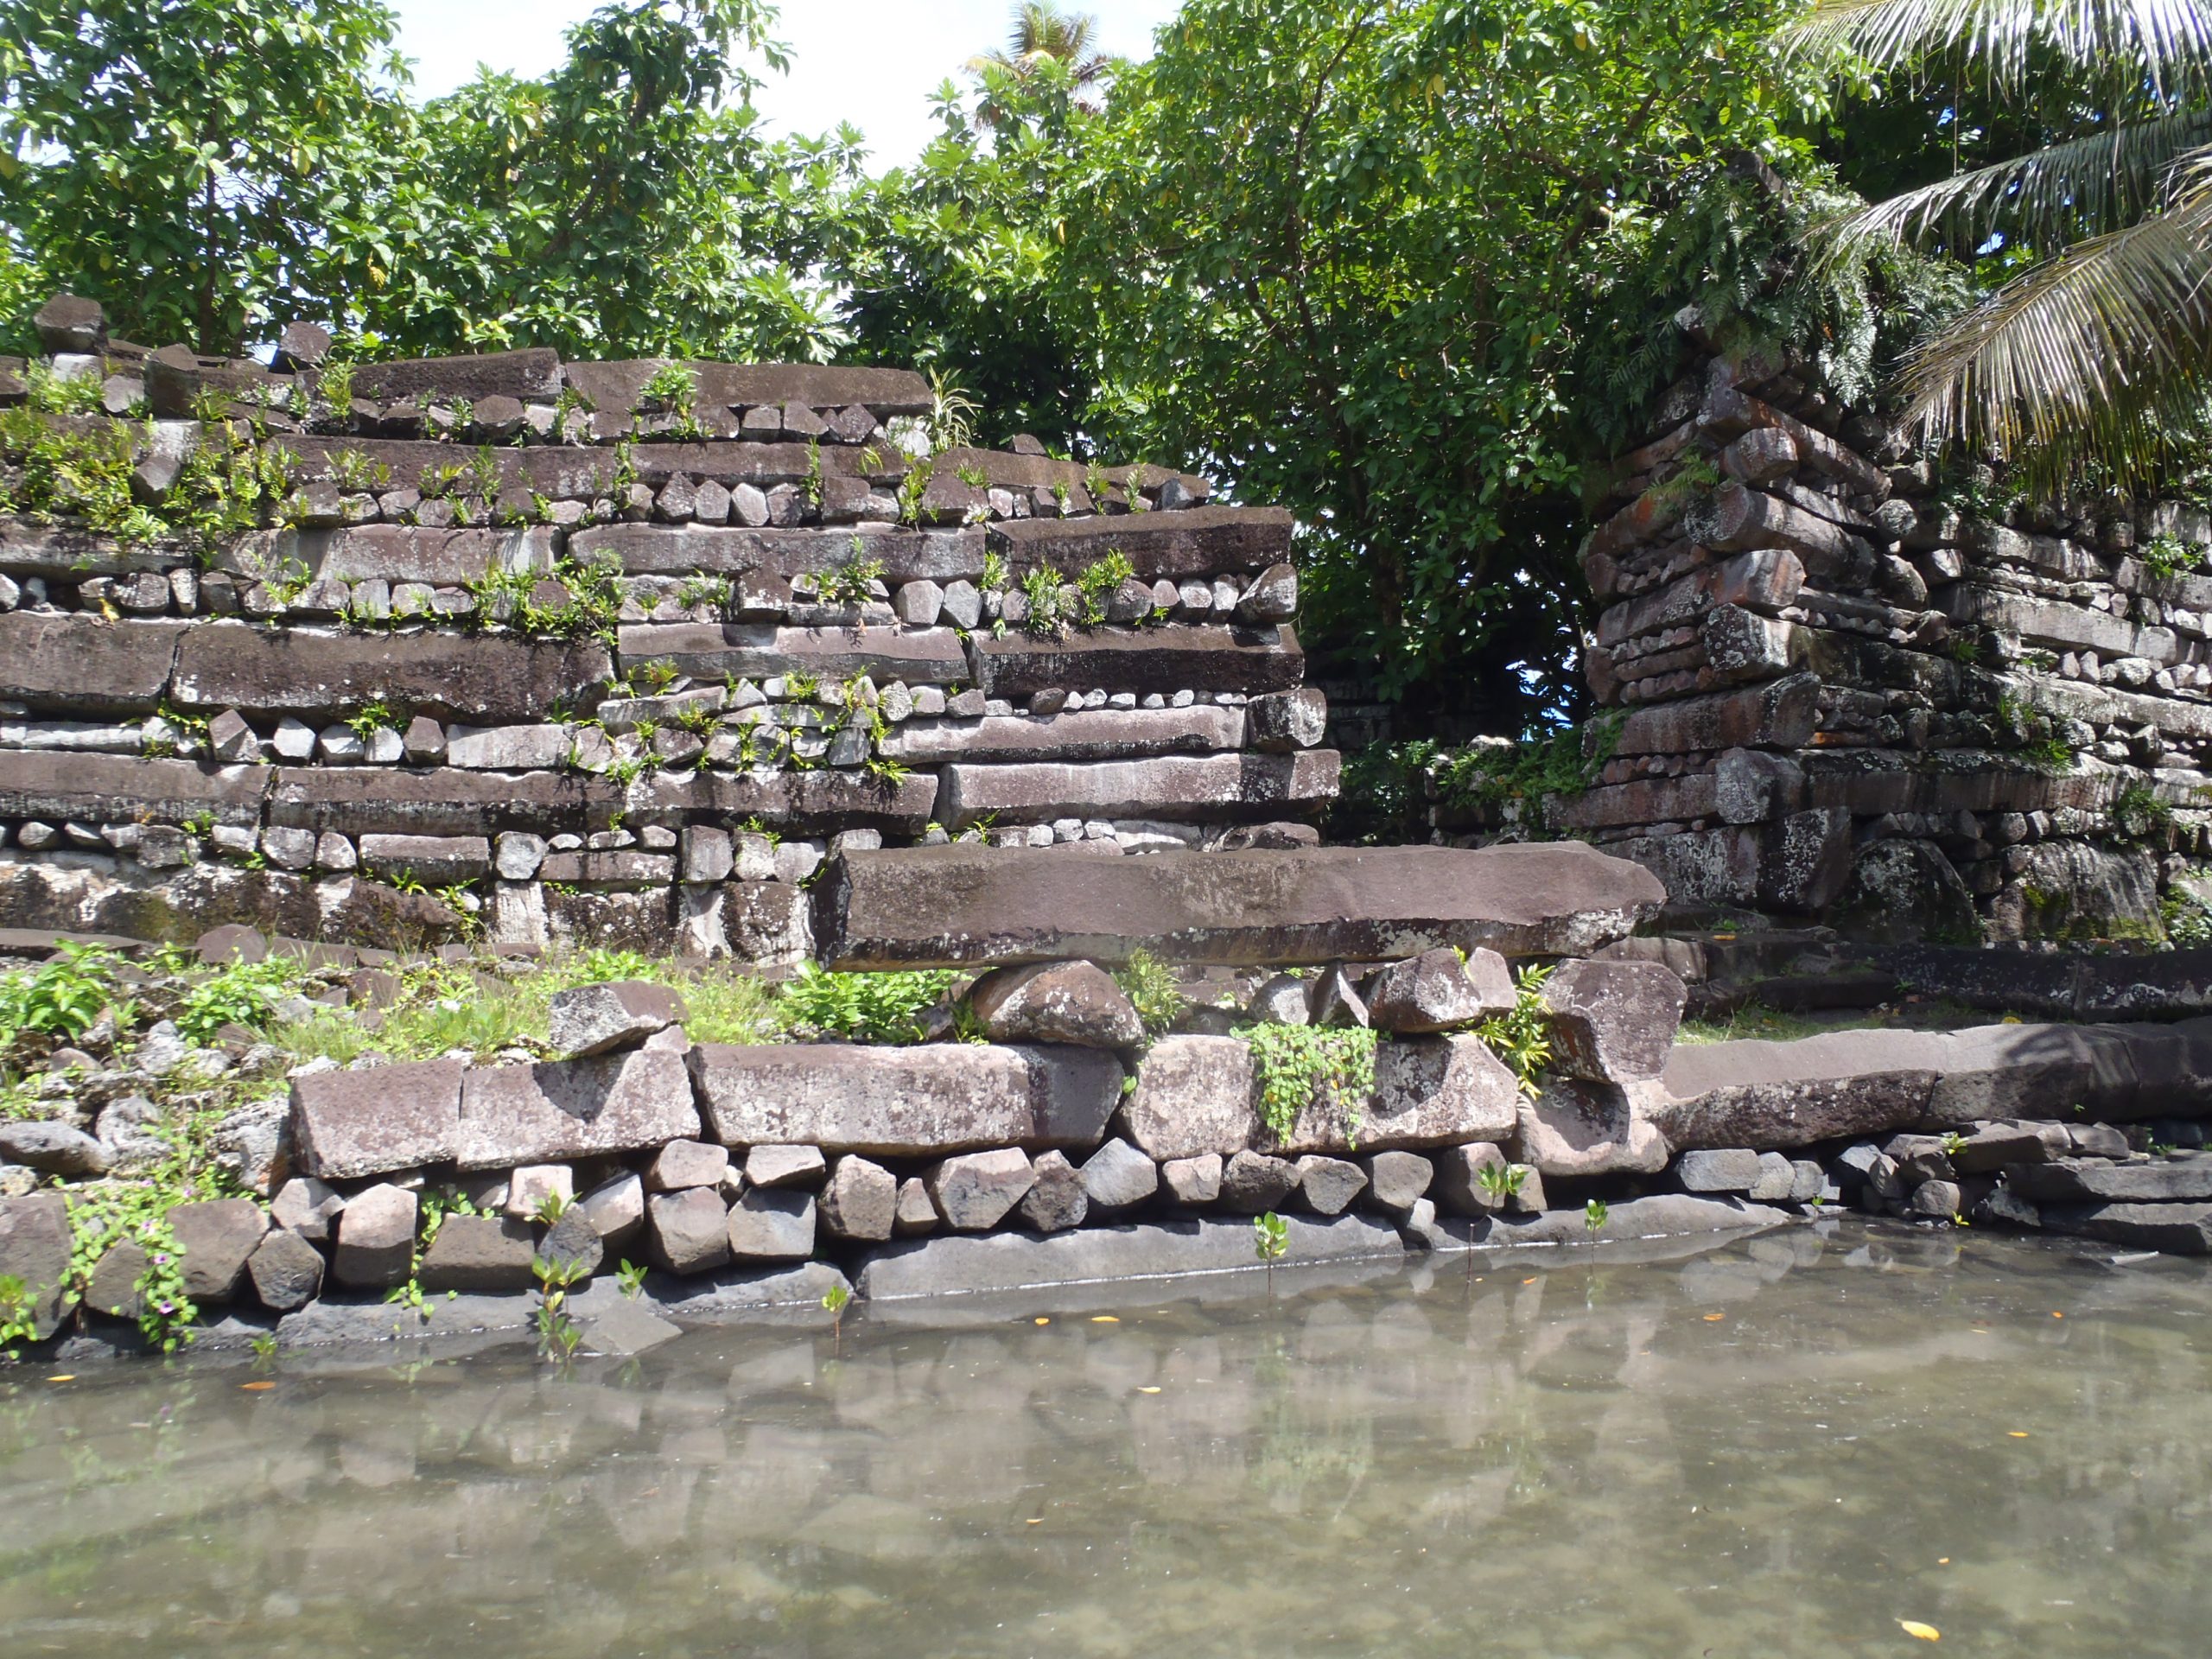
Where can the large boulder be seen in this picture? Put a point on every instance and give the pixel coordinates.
(952, 906)
(974, 1191)
(376, 1238)
(35, 1248)
(919, 1102)
(348, 1124)
(218, 1237)
(1436, 991)
(771, 1224)
(479, 1253)
(1775, 1096)
(1575, 1128)
(1073, 1003)
(513, 1114)
(1612, 1021)
(593, 1018)
(57, 1148)
(860, 1201)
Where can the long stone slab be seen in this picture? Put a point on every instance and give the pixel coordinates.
(939, 556)
(377, 800)
(80, 660)
(483, 681)
(1092, 734)
(615, 386)
(125, 789)
(1142, 661)
(922, 1102)
(950, 906)
(532, 374)
(2176, 1229)
(1167, 787)
(802, 801)
(512, 1115)
(954, 1264)
(712, 650)
(1772, 1095)
(2077, 1180)
(1194, 542)
(350, 1124)
(449, 558)
(1198, 1095)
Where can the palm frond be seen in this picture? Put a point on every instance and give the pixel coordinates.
(2170, 41)
(2047, 198)
(2090, 358)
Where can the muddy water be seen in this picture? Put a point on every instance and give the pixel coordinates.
(1775, 1448)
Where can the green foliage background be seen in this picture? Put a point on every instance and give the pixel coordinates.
(1405, 266)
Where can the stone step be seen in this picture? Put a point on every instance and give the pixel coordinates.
(950, 906)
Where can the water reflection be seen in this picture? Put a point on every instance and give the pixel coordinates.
(1776, 1447)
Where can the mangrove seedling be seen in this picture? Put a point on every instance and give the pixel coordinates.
(1270, 1243)
(1594, 1214)
(630, 1280)
(833, 1300)
(1501, 1182)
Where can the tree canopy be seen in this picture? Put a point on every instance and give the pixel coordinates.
(1405, 266)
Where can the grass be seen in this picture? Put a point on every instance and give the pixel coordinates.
(444, 1008)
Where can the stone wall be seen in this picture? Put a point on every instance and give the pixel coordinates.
(1849, 683)
(530, 641)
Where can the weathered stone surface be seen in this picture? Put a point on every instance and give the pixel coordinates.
(1395, 1180)
(688, 1163)
(1778, 1179)
(1780, 715)
(950, 906)
(688, 1231)
(512, 1115)
(1193, 1099)
(531, 375)
(1090, 734)
(356, 801)
(287, 1271)
(907, 1101)
(1613, 1021)
(479, 1253)
(1169, 788)
(216, 1237)
(434, 861)
(757, 650)
(1253, 1182)
(940, 555)
(860, 1201)
(77, 659)
(124, 789)
(595, 1019)
(794, 802)
(1436, 991)
(394, 553)
(1201, 657)
(1660, 1214)
(1776, 1096)
(974, 1191)
(2073, 1180)
(376, 1238)
(1734, 1169)
(1117, 1178)
(615, 1208)
(1056, 1002)
(1329, 1185)
(306, 1206)
(112, 1287)
(794, 1166)
(35, 1248)
(771, 1225)
(484, 681)
(1017, 1261)
(1576, 1128)
(916, 1212)
(573, 1243)
(1192, 1182)
(54, 1148)
(1994, 1146)
(2177, 1228)
(1429, 1092)
(1458, 1188)
(348, 1124)
(1056, 1199)
(1192, 541)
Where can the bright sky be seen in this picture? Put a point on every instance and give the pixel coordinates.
(871, 62)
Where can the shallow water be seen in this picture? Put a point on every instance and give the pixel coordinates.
(1778, 1447)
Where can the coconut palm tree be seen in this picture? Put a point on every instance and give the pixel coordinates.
(1042, 30)
(2095, 355)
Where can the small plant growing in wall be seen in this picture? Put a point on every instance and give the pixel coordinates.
(1523, 1037)
(1150, 986)
(1303, 1066)
(1041, 593)
(1099, 581)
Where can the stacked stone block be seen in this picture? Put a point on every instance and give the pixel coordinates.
(1849, 683)
(606, 669)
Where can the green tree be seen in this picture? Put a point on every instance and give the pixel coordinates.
(957, 262)
(627, 203)
(2089, 357)
(183, 161)
(1041, 33)
(1346, 253)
